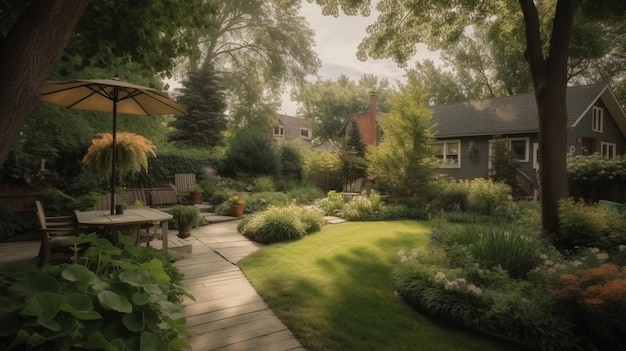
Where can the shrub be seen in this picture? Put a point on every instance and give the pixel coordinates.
(479, 196)
(263, 184)
(261, 201)
(593, 226)
(10, 224)
(332, 204)
(597, 299)
(113, 298)
(363, 207)
(305, 193)
(278, 224)
(516, 310)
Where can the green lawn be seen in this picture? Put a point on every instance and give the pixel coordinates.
(333, 290)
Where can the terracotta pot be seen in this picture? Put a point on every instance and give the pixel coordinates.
(236, 210)
(184, 230)
(195, 197)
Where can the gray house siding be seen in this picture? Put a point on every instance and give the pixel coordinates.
(582, 135)
(516, 117)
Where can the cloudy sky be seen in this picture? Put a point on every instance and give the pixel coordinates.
(337, 39)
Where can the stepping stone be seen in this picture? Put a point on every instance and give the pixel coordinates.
(333, 220)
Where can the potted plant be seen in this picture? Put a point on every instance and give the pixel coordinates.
(195, 194)
(185, 217)
(237, 205)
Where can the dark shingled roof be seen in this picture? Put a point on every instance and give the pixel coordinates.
(507, 115)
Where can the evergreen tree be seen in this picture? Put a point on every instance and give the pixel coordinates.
(203, 123)
(354, 143)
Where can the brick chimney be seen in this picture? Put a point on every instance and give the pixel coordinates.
(372, 126)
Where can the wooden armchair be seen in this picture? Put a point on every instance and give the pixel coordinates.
(55, 233)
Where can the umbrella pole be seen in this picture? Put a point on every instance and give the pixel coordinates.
(114, 158)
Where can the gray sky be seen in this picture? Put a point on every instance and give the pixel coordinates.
(337, 39)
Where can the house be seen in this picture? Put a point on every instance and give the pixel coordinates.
(466, 132)
(290, 128)
(367, 122)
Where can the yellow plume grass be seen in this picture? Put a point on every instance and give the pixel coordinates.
(132, 153)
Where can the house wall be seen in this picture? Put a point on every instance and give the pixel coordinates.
(476, 165)
(583, 129)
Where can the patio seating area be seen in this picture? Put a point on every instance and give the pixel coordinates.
(228, 314)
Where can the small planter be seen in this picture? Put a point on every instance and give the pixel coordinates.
(195, 197)
(237, 210)
(184, 230)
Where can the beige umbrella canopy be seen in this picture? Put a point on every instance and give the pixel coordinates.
(110, 95)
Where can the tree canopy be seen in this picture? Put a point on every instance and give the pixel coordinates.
(327, 104)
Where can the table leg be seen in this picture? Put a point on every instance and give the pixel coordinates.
(164, 231)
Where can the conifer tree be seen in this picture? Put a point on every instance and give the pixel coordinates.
(204, 122)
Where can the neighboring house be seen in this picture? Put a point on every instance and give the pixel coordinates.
(290, 128)
(367, 123)
(465, 132)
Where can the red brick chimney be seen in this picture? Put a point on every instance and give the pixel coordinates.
(372, 138)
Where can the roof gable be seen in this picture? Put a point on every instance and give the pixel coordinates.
(511, 114)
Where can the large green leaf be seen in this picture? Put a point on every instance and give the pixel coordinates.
(98, 342)
(156, 270)
(35, 284)
(133, 321)
(150, 341)
(80, 307)
(79, 273)
(135, 278)
(45, 306)
(9, 322)
(141, 299)
(115, 302)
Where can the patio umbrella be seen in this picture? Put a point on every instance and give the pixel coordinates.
(110, 95)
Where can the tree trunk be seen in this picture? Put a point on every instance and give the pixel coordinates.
(29, 53)
(550, 84)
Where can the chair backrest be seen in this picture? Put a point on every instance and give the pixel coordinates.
(41, 215)
(135, 195)
(104, 203)
(184, 182)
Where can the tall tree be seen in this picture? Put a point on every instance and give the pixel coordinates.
(328, 103)
(35, 33)
(257, 46)
(30, 48)
(204, 122)
(402, 23)
(402, 162)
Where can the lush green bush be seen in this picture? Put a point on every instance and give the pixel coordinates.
(251, 153)
(10, 224)
(590, 225)
(332, 204)
(479, 196)
(291, 162)
(278, 224)
(594, 170)
(261, 201)
(109, 298)
(511, 308)
(305, 193)
(263, 184)
(176, 160)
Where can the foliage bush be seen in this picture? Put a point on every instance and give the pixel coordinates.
(10, 224)
(251, 153)
(261, 201)
(481, 299)
(594, 170)
(170, 161)
(480, 196)
(278, 224)
(290, 162)
(590, 225)
(263, 184)
(332, 204)
(305, 193)
(109, 298)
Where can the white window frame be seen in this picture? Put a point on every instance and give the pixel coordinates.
(508, 142)
(280, 129)
(308, 132)
(610, 149)
(447, 162)
(597, 119)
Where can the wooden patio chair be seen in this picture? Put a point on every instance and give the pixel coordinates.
(104, 203)
(55, 233)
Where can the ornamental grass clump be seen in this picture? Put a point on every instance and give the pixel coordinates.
(278, 224)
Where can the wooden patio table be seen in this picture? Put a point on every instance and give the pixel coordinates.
(130, 216)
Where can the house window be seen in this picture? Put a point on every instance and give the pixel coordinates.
(608, 149)
(597, 124)
(519, 147)
(280, 130)
(306, 133)
(448, 153)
